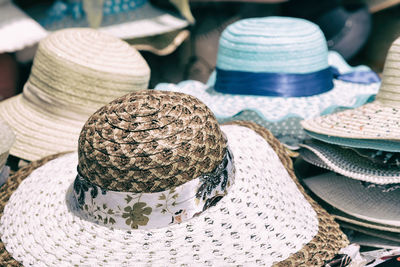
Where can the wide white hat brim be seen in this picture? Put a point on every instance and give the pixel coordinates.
(17, 30)
(354, 198)
(263, 219)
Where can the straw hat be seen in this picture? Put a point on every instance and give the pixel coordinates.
(370, 203)
(218, 203)
(75, 72)
(7, 138)
(378, 120)
(17, 30)
(126, 19)
(256, 59)
(347, 162)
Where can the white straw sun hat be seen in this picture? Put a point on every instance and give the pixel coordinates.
(137, 199)
(279, 67)
(377, 121)
(75, 72)
(17, 30)
(7, 138)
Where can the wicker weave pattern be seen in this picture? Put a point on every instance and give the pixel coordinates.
(150, 141)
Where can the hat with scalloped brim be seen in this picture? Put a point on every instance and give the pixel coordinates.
(379, 120)
(17, 30)
(323, 246)
(348, 163)
(142, 19)
(360, 201)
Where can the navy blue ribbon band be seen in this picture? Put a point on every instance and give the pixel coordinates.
(274, 84)
(285, 84)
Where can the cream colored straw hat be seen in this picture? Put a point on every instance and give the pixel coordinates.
(377, 120)
(157, 181)
(75, 72)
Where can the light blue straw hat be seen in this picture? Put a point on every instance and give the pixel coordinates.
(279, 68)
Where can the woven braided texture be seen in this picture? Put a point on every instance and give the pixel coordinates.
(174, 138)
(330, 239)
(6, 191)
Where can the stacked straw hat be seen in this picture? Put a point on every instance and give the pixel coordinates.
(75, 72)
(156, 181)
(7, 138)
(17, 30)
(279, 68)
(362, 148)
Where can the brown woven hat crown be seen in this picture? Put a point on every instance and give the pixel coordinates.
(150, 141)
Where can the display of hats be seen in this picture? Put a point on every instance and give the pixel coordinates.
(136, 197)
(7, 138)
(348, 162)
(278, 67)
(17, 30)
(364, 201)
(126, 19)
(373, 122)
(75, 72)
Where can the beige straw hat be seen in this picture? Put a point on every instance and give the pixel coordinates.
(377, 120)
(156, 181)
(75, 72)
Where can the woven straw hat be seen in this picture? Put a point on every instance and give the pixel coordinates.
(277, 47)
(126, 19)
(137, 198)
(369, 203)
(348, 162)
(7, 138)
(17, 30)
(378, 120)
(75, 72)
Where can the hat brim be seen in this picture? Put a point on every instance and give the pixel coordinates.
(17, 30)
(372, 232)
(146, 20)
(370, 121)
(351, 197)
(38, 133)
(348, 163)
(201, 227)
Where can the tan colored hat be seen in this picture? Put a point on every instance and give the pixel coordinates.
(75, 72)
(379, 120)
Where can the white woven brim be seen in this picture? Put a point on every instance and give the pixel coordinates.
(263, 219)
(351, 197)
(371, 121)
(348, 163)
(17, 30)
(273, 109)
(38, 134)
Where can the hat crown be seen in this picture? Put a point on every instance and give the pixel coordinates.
(273, 44)
(150, 141)
(87, 68)
(389, 92)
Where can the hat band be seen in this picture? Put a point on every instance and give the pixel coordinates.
(43, 101)
(383, 187)
(127, 210)
(273, 84)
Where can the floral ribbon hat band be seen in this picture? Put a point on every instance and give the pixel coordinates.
(279, 68)
(159, 182)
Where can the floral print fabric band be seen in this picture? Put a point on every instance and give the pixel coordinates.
(127, 210)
